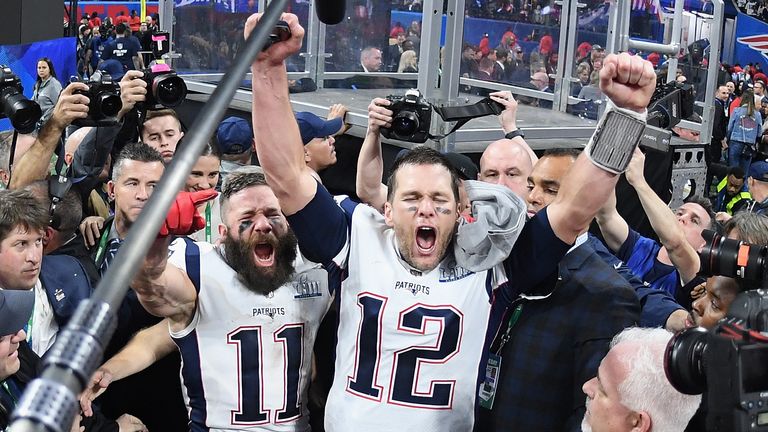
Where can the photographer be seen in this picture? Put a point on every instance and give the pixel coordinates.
(672, 263)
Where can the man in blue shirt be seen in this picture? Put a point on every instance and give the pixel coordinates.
(672, 263)
(122, 49)
(96, 48)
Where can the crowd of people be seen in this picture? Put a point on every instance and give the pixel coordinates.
(454, 297)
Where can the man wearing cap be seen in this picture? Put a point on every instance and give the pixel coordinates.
(318, 136)
(19, 364)
(758, 187)
(235, 142)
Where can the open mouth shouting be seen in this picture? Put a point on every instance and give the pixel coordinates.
(264, 254)
(426, 240)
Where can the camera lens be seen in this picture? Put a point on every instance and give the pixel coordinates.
(732, 258)
(109, 105)
(22, 112)
(169, 90)
(684, 361)
(405, 123)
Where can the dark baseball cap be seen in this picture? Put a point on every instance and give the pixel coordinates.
(234, 136)
(113, 68)
(759, 171)
(312, 126)
(463, 165)
(15, 309)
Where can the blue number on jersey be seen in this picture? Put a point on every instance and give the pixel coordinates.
(406, 362)
(249, 345)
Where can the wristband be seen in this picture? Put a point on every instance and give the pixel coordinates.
(514, 134)
(617, 135)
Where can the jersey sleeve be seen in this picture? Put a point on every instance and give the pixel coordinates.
(323, 227)
(535, 256)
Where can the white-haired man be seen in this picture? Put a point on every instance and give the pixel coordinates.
(631, 391)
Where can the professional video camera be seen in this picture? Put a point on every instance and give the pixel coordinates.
(22, 112)
(104, 96)
(670, 103)
(412, 116)
(165, 89)
(729, 364)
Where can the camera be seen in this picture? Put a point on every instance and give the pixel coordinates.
(736, 259)
(165, 89)
(22, 112)
(670, 103)
(411, 117)
(104, 100)
(730, 363)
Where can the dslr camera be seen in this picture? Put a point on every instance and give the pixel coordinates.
(104, 100)
(165, 89)
(411, 117)
(22, 112)
(729, 364)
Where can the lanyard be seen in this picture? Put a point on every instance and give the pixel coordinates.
(208, 222)
(102, 243)
(512, 321)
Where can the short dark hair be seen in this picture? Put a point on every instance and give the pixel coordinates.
(737, 172)
(20, 208)
(121, 29)
(562, 152)
(69, 211)
(422, 155)
(137, 151)
(502, 53)
(153, 114)
(706, 205)
(240, 179)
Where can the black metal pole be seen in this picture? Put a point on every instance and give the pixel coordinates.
(49, 402)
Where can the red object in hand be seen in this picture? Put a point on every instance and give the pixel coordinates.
(183, 217)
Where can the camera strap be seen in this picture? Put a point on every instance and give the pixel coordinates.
(12, 153)
(462, 114)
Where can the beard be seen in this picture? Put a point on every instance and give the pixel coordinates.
(406, 238)
(262, 280)
(585, 427)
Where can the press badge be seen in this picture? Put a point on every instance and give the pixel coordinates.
(487, 392)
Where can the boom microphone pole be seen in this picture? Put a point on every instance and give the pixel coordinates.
(49, 403)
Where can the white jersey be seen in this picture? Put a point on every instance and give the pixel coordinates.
(247, 358)
(409, 344)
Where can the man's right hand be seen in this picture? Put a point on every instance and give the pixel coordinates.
(99, 382)
(70, 106)
(378, 115)
(132, 91)
(91, 228)
(276, 54)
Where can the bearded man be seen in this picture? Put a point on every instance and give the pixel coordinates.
(244, 315)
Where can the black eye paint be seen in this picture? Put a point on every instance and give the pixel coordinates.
(412, 208)
(442, 210)
(244, 225)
